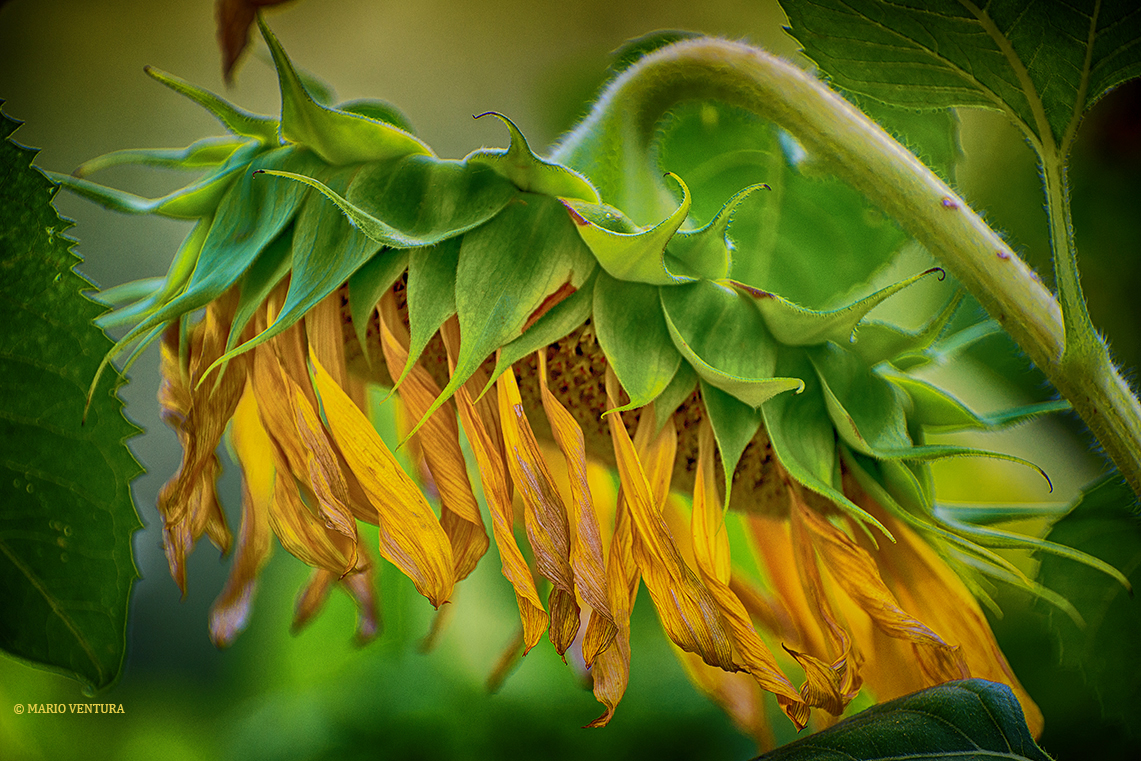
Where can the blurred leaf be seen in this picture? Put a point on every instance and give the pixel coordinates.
(812, 239)
(1043, 64)
(66, 515)
(971, 719)
(1104, 523)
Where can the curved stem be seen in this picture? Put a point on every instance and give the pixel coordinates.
(864, 155)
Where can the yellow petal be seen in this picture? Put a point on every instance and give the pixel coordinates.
(545, 514)
(230, 612)
(711, 551)
(439, 440)
(854, 570)
(688, 612)
(611, 669)
(925, 585)
(586, 547)
(478, 425)
(410, 536)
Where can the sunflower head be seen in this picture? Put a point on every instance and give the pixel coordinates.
(565, 311)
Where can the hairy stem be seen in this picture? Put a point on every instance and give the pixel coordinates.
(864, 155)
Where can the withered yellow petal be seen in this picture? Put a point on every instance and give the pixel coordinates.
(855, 571)
(497, 492)
(439, 440)
(410, 536)
(711, 551)
(687, 610)
(545, 515)
(230, 612)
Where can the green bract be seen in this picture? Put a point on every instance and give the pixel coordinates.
(756, 300)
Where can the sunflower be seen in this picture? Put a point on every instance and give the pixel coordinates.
(559, 314)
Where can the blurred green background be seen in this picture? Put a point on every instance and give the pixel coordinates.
(72, 71)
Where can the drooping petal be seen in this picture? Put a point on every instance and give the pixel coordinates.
(927, 586)
(854, 570)
(440, 443)
(687, 610)
(410, 536)
(480, 425)
(230, 612)
(711, 551)
(545, 514)
(611, 670)
(586, 548)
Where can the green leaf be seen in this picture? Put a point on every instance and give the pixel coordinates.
(327, 250)
(1105, 523)
(639, 256)
(683, 384)
(634, 337)
(883, 342)
(262, 128)
(431, 294)
(794, 325)
(1044, 64)
(338, 137)
(271, 266)
(707, 252)
(803, 437)
(721, 333)
(198, 199)
(560, 321)
(506, 269)
(969, 719)
(734, 426)
(529, 172)
(66, 516)
(368, 284)
(204, 153)
(938, 411)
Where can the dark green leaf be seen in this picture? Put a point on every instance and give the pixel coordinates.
(1042, 63)
(682, 385)
(66, 516)
(368, 284)
(262, 128)
(734, 425)
(803, 437)
(431, 294)
(972, 719)
(1105, 523)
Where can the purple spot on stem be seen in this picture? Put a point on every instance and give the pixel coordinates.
(950, 203)
(1003, 254)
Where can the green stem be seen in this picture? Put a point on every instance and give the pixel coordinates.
(865, 156)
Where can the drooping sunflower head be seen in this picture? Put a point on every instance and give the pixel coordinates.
(561, 311)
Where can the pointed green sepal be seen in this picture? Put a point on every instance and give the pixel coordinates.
(734, 426)
(339, 137)
(236, 120)
(368, 284)
(529, 172)
(707, 253)
(198, 199)
(638, 257)
(205, 153)
(794, 325)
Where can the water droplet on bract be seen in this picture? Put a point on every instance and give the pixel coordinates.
(67, 530)
(29, 488)
(63, 557)
(61, 541)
